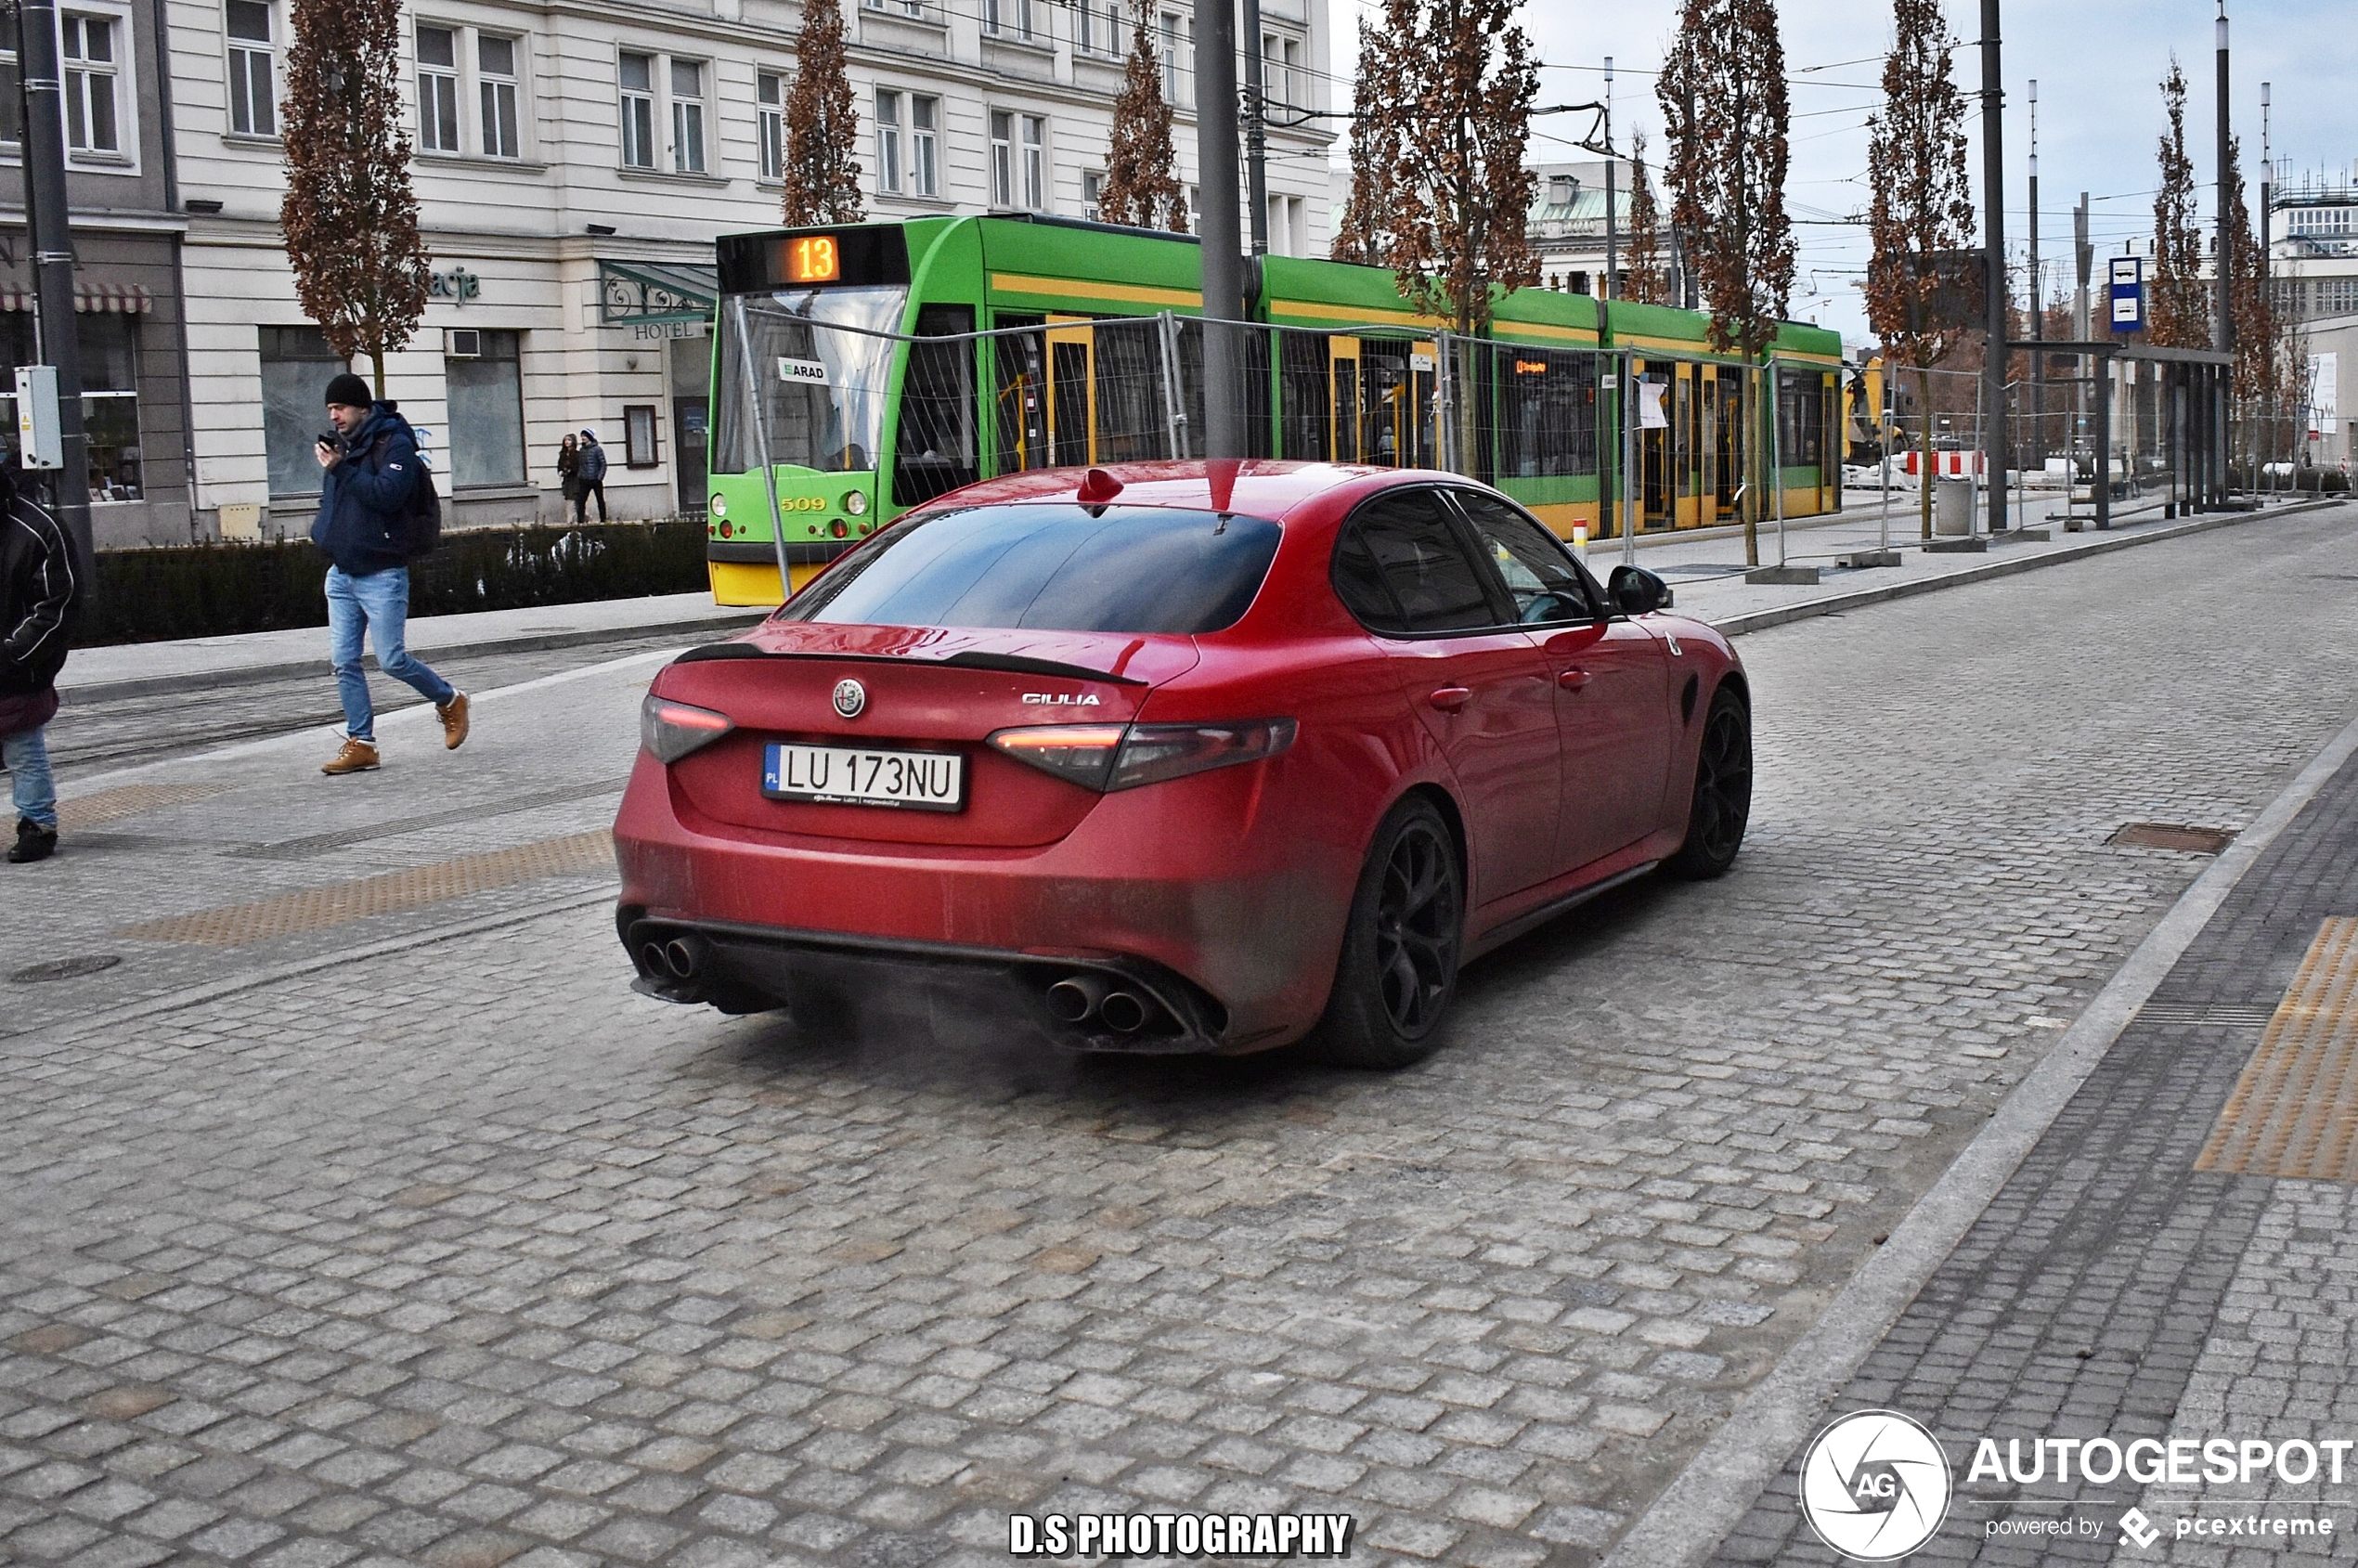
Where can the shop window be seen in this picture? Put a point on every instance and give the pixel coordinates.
(253, 94)
(639, 435)
(485, 390)
(297, 364)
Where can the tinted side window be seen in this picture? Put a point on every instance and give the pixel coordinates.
(1540, 578)
(1438, 585)
(1359, 584)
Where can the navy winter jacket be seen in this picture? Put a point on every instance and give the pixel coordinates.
(593, 465)
(363, 498)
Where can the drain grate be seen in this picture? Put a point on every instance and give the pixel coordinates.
(313, 909)
(2204, 1015)
(2172, 836)
(321, 843)
(2294, 1111)
(113, 805)
(65, 968)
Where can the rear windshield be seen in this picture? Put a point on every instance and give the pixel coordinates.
(1052, 566)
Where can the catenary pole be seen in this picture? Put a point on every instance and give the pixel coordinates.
(1256, 130)
(2216, 491)
(52, 237)
(2038, 304)
(1224, 295)
(1613, 233)
(1993, 179)
(2268, 415)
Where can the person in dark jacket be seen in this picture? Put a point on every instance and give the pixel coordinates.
(593, 478)
(371, 472)
(38, 595)
(569, 473)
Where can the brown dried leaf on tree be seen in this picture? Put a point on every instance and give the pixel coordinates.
(1142, 187)
(823, 179)
(1460, 195)
(1645, 281)
(2178, 300)
(1727, 168)
(2259, 353)
(349, 214)
(1380, 125)
(1922, 204)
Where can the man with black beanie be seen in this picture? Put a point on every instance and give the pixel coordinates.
(38, 594)
(371, 474)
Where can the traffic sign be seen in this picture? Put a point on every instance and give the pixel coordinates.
(2128, 293)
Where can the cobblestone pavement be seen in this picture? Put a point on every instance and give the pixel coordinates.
(461, 1253)
(2114, 1290)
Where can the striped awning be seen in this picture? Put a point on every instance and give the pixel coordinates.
(111, 299)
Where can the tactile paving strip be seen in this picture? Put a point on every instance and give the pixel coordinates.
(2294, 1111)
(313, 909)
(113, 805)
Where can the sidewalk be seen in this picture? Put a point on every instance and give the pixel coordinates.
(138, 669)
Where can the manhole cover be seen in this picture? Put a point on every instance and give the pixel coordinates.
(2172, 836)
(65, 968)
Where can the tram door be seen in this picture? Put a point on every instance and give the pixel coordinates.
(1342, 372)
(1424, 359)
(1654, 442)
(1072, 379)
(1707, 445)
(1682, 445)
(1728, 444)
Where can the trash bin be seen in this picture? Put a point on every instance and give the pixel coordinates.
(1952, 507)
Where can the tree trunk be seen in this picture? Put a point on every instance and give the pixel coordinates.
(1924, 452)
(377, 358)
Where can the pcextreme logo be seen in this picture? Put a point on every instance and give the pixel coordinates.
(1875, 1485)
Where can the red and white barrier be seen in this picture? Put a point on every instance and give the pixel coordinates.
(1947, 465)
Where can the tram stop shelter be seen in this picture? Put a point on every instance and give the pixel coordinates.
(2194, 419)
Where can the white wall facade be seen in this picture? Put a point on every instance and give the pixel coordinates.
(532, 225)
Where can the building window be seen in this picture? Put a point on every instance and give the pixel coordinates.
(296, 367)
(888, 140)
(638, 111)
(1018, 168)
(1092, 185)
(89, 60)
(1007, 19)
(1280, 60)
(770, 122)
(687, 117)
(496, 75)
(11, 95)
(486, 411)
(1035, 163)
(437, 89)
(924, 165)
(1003, 159)
(254, 99)
(1174, 29)
(639, 435)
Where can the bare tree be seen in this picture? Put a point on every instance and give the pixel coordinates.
(2258, 378)
(1380, 125)
(1921, 207)
(349, 214)
(822, 179)
(2180, 304)
(1645, 281)
(1142, 181)
(1722, 92)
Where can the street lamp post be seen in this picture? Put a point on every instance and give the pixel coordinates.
(1993, 179)
(2225, 334)
(1612, 235)
(2038, 300)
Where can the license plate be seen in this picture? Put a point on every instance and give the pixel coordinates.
(843, 775)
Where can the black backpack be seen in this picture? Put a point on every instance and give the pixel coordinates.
(421, 521)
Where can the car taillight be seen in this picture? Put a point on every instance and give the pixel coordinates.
(669, 730)
(1110, 757)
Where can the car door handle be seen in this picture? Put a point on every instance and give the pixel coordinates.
(1572, 679)
(1449, 699)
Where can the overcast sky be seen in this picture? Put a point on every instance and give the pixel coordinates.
(2098, 63)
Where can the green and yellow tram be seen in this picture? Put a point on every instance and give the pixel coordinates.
(860, 371)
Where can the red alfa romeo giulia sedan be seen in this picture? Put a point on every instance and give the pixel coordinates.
(1174, 756)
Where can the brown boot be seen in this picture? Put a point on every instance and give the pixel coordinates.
(454, 721)
(356, 757)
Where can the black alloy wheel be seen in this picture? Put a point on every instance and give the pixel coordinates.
(1723, 791)
(1399, 966)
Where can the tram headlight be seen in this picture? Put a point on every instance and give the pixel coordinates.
(856, 502)
(719, 504)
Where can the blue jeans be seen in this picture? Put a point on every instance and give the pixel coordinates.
(379, 605)
(26, 756)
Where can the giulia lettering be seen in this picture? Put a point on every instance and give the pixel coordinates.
(1066, 699)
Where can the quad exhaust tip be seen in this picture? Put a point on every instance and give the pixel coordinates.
(1080, 999)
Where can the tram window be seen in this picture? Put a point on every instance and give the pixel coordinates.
(1301, 368)
(1550, 414)
(936, 449)
(1130, 424)
(1020, 393)
(1801, 429)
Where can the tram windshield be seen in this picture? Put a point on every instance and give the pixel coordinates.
(821, 370)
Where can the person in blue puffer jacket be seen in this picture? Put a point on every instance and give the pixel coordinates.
(370, 472)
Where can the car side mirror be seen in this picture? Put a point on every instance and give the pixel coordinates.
(1636, 592)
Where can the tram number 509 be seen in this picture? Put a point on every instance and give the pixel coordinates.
(813, 260)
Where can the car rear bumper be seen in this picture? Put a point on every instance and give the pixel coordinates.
(1190, 893)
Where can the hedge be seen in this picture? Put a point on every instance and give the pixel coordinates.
(221, 589)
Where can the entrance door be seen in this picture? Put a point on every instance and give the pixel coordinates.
(1342, 372)
(689, 369)
(1072, 379)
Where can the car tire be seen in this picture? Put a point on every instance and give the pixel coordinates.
(1398, 970)
(1722, 801)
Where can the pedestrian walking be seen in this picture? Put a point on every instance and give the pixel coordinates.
(368, 493)
(593, 477)
(38, 596)
(569, 474)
